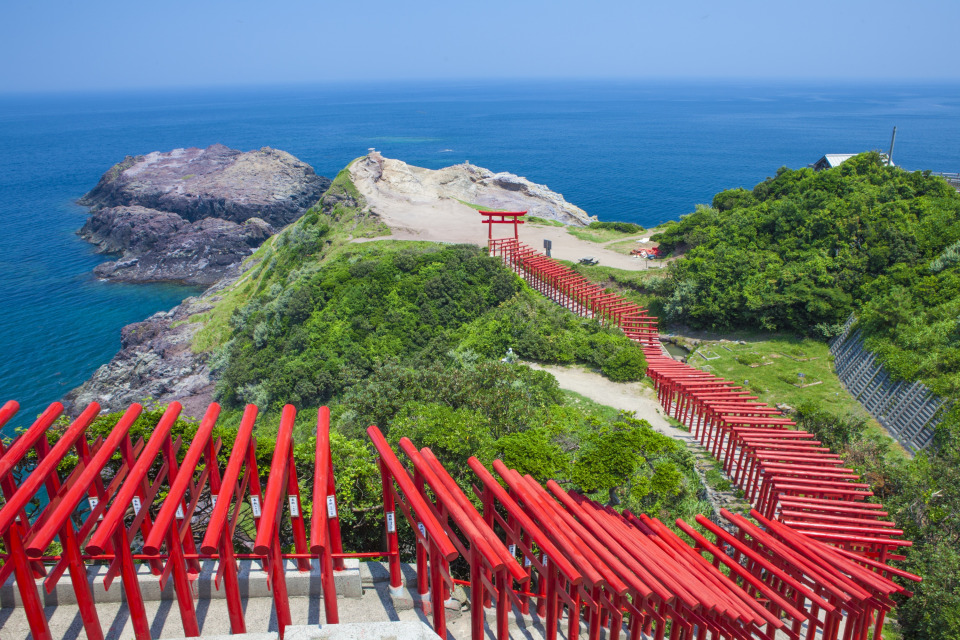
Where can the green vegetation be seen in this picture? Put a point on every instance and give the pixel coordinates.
(715, 478)
(804, 249)
(330, 324)
(543, 222)
(539, 330)
(322, 231)
(604, 231)
(798, 254)
(910, 320)
(922, 495)
(619, 227)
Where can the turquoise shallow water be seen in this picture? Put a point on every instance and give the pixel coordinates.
(641, 152)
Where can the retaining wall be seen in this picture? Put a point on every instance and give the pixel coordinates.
(908, 410)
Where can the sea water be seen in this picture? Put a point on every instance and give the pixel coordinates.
(637, 151)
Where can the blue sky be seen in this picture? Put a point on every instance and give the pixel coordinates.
(106, 44)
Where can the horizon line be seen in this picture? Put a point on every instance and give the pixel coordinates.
(433, 81)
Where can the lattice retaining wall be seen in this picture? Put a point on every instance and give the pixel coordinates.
(908, 410)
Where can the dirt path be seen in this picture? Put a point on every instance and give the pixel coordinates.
(625, 396)
(450, 221)
(634, 396)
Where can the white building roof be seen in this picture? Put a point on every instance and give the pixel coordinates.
(834, 159)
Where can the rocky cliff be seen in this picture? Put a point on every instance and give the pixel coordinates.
(162, 246)
(155, 362)
(192, 215)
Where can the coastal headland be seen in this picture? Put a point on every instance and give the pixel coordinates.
(183, 240)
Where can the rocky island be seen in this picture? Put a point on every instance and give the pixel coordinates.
(192, 215)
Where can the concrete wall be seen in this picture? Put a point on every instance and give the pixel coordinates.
(908, 410)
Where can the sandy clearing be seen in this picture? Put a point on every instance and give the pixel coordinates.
(426, 216)
(451, 222)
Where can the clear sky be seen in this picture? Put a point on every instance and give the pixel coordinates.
(61, 45)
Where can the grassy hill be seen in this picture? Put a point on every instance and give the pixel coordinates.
(413, 337)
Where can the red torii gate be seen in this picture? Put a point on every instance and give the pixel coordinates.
(777, 471)
(775, 465)
(503, 217)
(580, 560)
(128, 507)
(572, 291)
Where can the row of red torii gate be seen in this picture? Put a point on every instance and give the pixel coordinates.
(812, 559)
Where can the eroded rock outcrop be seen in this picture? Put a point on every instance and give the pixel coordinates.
(466, 183)
(162, 246)
(192, 215)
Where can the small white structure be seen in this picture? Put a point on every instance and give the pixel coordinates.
(831, 160)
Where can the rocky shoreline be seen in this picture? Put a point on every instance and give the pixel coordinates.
(159, 246)
(156, 363)
(190, 216)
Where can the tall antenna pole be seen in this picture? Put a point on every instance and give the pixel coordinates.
(893, 139)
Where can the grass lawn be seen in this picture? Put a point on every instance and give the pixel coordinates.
(602, 235)
(543, 222)
(891, 630)
(628, 284)
(589, 406)
(625, 246)
(480, 207)
(611, 277)
(771, 365)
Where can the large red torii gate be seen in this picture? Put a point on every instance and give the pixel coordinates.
(503, 217)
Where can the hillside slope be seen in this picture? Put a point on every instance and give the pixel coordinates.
(804, 249)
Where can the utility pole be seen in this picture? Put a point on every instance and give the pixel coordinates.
(893, 139)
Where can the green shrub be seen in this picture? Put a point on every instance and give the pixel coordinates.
(804, 249)
(622, 227)
(537, 329)
(307, 339)
(626, 364)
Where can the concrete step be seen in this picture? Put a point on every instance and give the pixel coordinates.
(252, 578)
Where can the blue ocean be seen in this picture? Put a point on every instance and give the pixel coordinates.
(636, 151)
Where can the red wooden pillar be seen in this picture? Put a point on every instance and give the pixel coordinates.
(268, 532)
